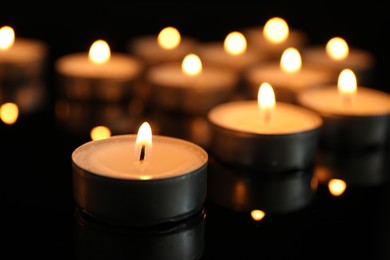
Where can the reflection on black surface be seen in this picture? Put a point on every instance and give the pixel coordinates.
(180, 240)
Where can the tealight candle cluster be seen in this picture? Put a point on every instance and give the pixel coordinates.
(250, 104)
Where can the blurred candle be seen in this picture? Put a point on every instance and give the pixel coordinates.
(98, 74)
(274, 37)
(337, 55)
(232, 53)
(167, 45)
(354, 116)
(189, 87)
(288, 76)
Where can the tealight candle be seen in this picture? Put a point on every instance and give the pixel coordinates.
(123, 181)
(232, 53)
(22, 71)
(189, 87)
(274, 37)
(337, 55)
(99, 74)
(354, 117)
(168, 45)
(265, 135)
(288, 76)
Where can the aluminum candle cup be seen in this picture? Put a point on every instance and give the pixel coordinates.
(244, 191)
(180, 240)
(360, 124)
(173, 90)
(113, 185)
(116, 80)
(288, 142)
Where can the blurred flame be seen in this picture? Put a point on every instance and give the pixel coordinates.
(266, 101)
(7, 37)
(276, 30)
(347, 85)
(192, 65)
(100, 132)
(235, 43)
(144, 138)
(291, 60)
(9, 113)
(337, 187)
(257, 214)
(99, 52)
(169, 38)
(337, 48)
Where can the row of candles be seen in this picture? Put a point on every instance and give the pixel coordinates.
(297, 108)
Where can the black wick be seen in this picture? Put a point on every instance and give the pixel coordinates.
(142, 154)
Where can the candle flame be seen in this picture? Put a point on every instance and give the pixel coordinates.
(100, 132)
(99, 52)
(276, 30)
(7, 37)
(337, 48)
(291, 60)
(9, 113)
(235, 43)
(169, 38)
(257, 214)
(337, 187)
(347, 85)
(266, 101)
(192, 65)
(143, 143)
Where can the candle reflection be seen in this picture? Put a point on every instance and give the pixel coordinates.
(179, 240)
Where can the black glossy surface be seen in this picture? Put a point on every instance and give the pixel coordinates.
(38, 217)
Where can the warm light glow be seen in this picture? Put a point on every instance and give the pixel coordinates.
(99, 52)
(9, 113)
(235, 43)
(7, 37)
(266, 101)
(169, 38)
(100, 132)
(347, 85)
(337, 187)
(143, 143)
(276, 30)
(257, 214)
(337, 48)
(191, 65)
(291, 60)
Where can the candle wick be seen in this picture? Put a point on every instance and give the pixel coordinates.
(142, 154)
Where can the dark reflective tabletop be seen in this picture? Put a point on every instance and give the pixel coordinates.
(303, 219)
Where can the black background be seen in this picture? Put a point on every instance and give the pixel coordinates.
(37, 210)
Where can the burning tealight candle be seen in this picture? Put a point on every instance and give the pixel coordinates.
(189, 87)
(232, 53)
(288, 76)
(354, 116)
(337, 55)
(22, 67)
(274, 37)
(265, 135)
(123, 181)
(99, 74)
(167, 45)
